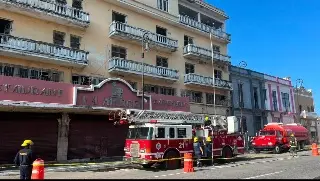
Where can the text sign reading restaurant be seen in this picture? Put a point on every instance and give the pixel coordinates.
(30, 90)
(116, 93)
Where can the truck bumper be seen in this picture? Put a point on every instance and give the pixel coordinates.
(137, 160)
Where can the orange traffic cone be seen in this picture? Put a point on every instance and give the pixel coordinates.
(38, 169)
(188, 163)
(315, 151)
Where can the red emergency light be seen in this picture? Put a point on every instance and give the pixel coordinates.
(153, 121)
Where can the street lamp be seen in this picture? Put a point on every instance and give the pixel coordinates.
(241, 64)
(300, 82)
(144, 48)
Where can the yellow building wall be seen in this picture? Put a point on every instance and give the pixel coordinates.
(95, 39)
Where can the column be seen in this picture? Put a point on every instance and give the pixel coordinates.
(63, 135)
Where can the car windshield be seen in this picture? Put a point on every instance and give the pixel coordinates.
(267, 133)
(140, 133)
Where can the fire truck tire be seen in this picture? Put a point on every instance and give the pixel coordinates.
(256, 151)
(227, 152)
(147, 165)
(302, 145)
(174, 163)
(277, 149)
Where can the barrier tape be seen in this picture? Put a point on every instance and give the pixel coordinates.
(182, 158)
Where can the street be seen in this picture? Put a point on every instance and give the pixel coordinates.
(260, 166)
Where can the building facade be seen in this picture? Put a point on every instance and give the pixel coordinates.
(77, 43)
(305, 112)
(247, 98)
(279, 100)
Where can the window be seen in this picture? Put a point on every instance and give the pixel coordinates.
(119, 17)
(194, 96)
(159, 89)
(182, 132)
(30, 73)
(162, 62)
(265, 94)
(5, 26)
(75, 42)
(308, 108)
(216, 48)
(312, 109)
(119, 52)
(189, 68)
(285, 101)
(133, 84)
(62, 1)
(161, 133)
(300, 108)
(274, 100)
(187, 40)
(172, 133)
(240, 94)
(77, 4)
(163, 5)
(161, 31)
(218, 74)
(58, 38)
(255, 98)
(220, 99)
(86, 80)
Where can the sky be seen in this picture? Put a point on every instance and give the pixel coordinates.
(277, 37)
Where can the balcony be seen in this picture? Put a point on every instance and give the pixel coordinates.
(41, 51)
(199, 80)
(219, 34)
(194, 52)
(135, 68)
(126, 32)
(48, 10)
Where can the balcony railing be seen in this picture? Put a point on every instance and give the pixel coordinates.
(205, 28)
(42, 50)
(206, 81)
(134, 33)
(53, 8)
(130, 66)
(193, 50)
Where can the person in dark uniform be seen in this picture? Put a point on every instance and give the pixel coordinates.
(293, 145)
(24, 159)
(198, 152)
(209, 150)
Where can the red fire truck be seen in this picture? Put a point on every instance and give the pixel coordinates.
(156, 136)
(275, 137)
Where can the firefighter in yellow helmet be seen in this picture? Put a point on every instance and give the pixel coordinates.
(24, 159)
(207, 121)
(208, 147)
(293, 145)
(198, 151)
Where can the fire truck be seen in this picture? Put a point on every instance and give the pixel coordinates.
(163, 137)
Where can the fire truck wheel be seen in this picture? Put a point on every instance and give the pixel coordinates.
(147, 165)
(174, 163)
(302, 145)
(277, 149)
(227, 152)
(256, 151)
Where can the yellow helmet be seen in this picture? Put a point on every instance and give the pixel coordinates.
(292, 134)
(206, 118)
(209, 139)
(195, 139)
(27, 142)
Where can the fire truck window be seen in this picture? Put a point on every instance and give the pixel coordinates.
(171, 133)
(161, 133)
(182, 132)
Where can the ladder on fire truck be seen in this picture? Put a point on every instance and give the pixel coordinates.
(173, 117)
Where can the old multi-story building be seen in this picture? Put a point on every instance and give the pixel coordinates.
(306, 116)
(248, 99)
(57, 43)
(279, 99)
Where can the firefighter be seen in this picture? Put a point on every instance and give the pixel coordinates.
(207, 121)
(198, 151)
(209, 150)
(293, 145)
(24, 159)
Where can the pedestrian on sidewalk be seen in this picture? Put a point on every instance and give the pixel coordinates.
(24, 159)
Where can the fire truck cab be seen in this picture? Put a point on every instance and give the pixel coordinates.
(166, 139)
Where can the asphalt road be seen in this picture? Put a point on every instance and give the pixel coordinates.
(261, 166)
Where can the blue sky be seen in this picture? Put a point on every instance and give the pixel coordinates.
(277, 37)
